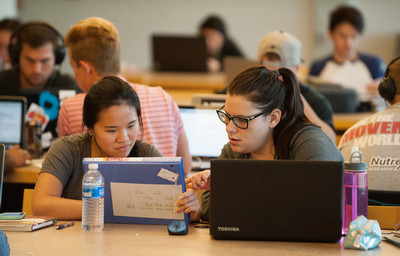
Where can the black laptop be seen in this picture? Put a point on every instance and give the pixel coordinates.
(179, 53)
(280, 200)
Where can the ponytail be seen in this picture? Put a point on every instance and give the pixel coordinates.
(293, 118)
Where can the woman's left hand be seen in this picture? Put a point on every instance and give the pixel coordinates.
(189, 203)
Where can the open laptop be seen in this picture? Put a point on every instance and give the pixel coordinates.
(12, 120)
(343, 100)
(281, 200)
(50, 100)
(141, 190)
(179, 53)
(234, 65)
(206, 135)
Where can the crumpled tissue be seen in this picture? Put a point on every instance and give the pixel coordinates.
(363, 234)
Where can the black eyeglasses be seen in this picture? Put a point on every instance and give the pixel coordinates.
(241, 122)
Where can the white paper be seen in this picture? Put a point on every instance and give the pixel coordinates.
(168, 175)
(145, 201)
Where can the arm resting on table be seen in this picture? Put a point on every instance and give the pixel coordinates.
(47, 200)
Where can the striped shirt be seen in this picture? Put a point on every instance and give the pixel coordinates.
(162, 123)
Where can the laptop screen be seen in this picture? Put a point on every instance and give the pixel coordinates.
(206, 133)
(179, 53)
(12, 111)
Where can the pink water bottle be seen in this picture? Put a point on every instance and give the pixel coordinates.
(355, 201)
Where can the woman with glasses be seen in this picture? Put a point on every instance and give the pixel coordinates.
(264, 119)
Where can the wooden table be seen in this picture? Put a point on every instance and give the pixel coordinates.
(23, 175)
(132, 239)
(181, 85)
(343, 121)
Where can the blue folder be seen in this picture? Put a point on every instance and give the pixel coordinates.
(139, 185)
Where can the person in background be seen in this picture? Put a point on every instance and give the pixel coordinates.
(94, 52)
(281, 49)
(15, 157)
(7, 27)
(347, 66)
(218, 43)
(36, 48)
(264, 120)
(377, 137)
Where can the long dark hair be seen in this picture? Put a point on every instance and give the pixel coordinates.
(107, 92)
(271, 90)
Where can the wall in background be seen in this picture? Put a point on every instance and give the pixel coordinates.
(8, 9)
(247, 22)
(381, 29)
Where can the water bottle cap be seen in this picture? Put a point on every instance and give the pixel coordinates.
(93, 166)
(356, 167)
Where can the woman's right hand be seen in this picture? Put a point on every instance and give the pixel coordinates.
(200, 180)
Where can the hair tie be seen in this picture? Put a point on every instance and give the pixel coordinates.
(278, 75)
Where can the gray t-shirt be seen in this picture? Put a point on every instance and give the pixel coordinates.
(378, 138)
(310, 143)
(64, 160)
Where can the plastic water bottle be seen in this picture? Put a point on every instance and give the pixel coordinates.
(93, 200)
(355, 192)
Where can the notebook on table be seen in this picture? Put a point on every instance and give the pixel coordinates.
(141, 190)
(280, 200)
(12, 120)
(179, 53)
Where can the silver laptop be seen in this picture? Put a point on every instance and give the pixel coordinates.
(12, 120)
(281, 200)
(206, 135)
(234, 65)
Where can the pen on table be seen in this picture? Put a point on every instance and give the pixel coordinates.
(65, 225)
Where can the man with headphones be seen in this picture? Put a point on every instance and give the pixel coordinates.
(378, 138)
(35, 49)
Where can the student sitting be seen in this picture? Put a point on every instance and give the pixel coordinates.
(377, 137)
(94, 49)
(112, 114)
(264, 119)
(218, 43)
(347, 66)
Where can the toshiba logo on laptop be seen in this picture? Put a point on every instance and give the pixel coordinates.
(230, 229)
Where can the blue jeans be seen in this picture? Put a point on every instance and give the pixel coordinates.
(4, 247)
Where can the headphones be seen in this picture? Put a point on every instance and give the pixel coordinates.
(15, 46)
(387, 86)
